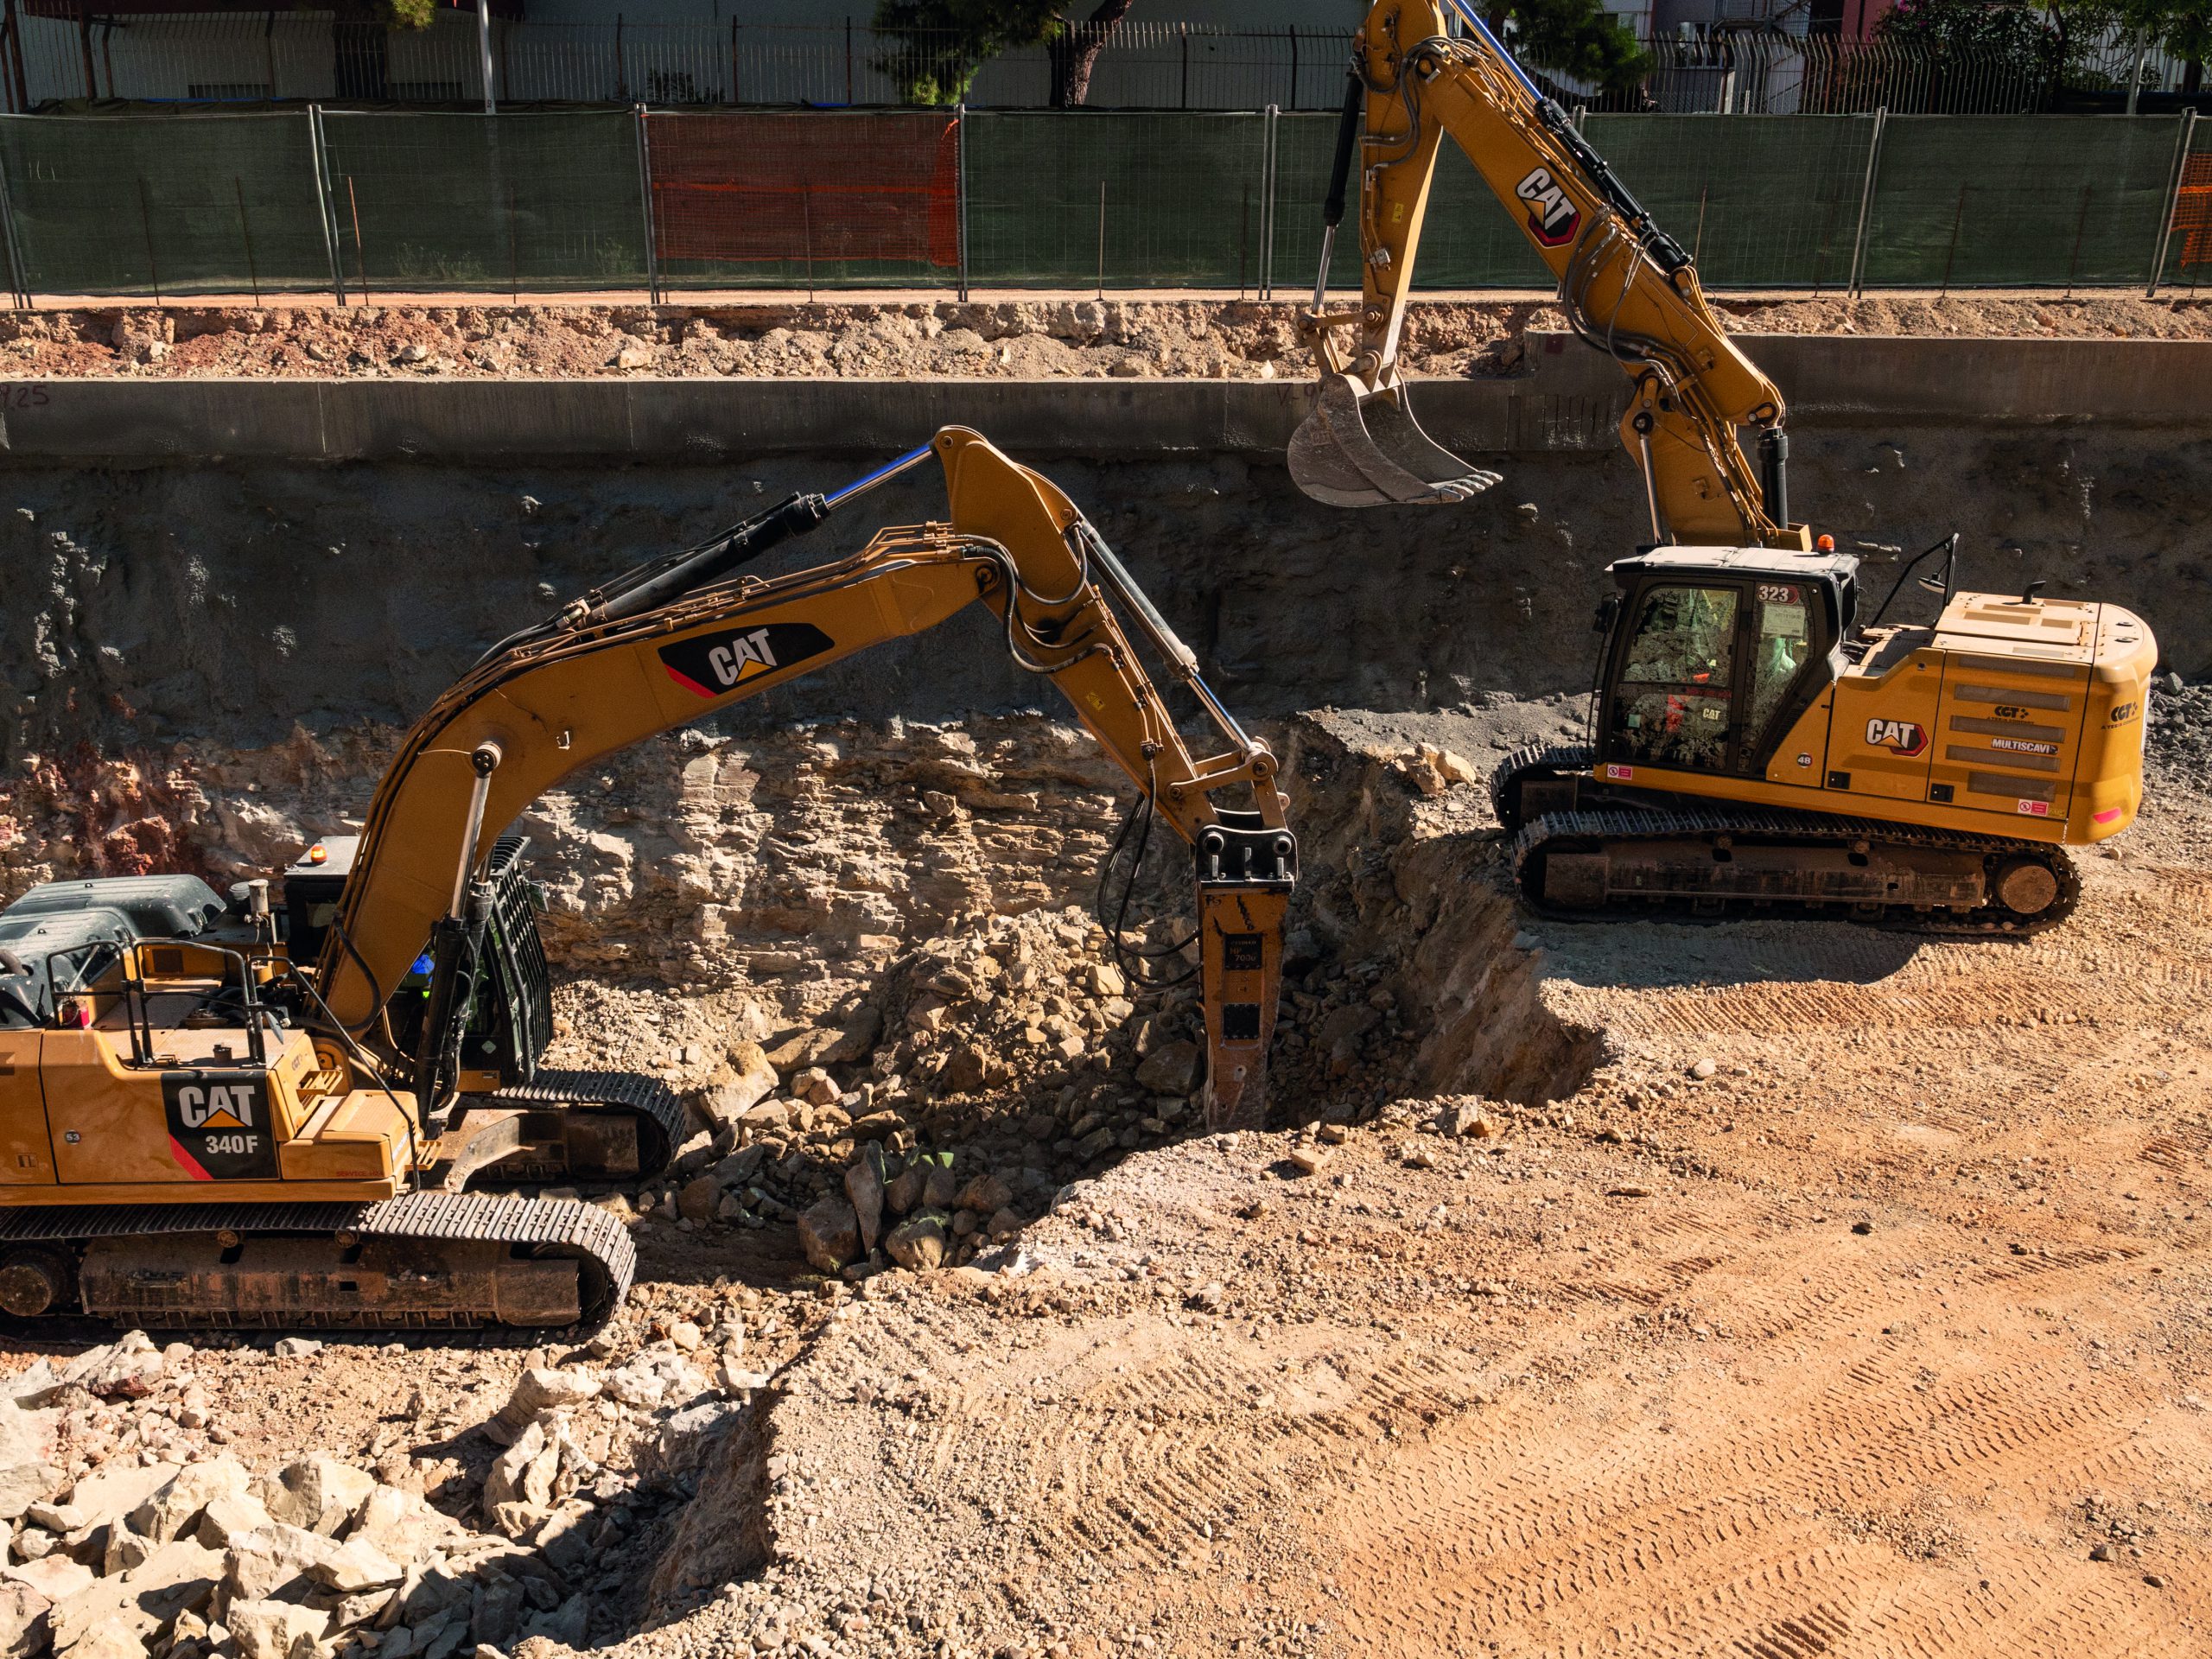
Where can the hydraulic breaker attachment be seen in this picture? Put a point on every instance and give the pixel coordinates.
(1245, 876)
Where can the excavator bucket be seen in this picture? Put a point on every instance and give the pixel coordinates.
(1364, 449)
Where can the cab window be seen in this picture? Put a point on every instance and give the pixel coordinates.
(1672, 706)
(1781, 644)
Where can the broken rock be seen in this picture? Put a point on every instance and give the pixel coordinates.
(1171, 1069)
(538, 1390)
(320, 1494)
(864, 1189)
(524, 1472)
(275, 1630)
(919, 1242)
(172, 1511)
(179, 1575)
(829, 1233)
(24, 1628)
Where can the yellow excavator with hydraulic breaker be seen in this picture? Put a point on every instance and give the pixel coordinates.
(1755, 747)
(258, 1114)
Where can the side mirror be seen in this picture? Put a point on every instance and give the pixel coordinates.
(1609, 610)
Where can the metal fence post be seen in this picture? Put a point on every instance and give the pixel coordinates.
(318, 149)
(646, 196)
(1267, 205)
(15, 277)
(2173, 201)
(960, 190)
(1866, 201)
(484, 54)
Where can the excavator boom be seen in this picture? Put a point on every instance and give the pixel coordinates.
(1627, 288)
(688, 640)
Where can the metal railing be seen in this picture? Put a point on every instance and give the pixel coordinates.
(1144, 64)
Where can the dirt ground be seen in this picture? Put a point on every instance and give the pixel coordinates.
(1020, 338)
(1850, 1299)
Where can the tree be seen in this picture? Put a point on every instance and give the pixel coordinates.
(2052, 43)
(1571, 37)
(943, 42)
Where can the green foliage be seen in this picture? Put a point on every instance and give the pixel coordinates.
(2053, 40)
(1571, 37)
(944, 42)
(411, 14)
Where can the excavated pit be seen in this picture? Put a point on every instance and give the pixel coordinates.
(204, 666)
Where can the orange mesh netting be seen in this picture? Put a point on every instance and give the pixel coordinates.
(809, 186)
(2193, 210)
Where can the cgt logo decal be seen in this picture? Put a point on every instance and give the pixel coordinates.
(219, 1127)
(1898, 736)
(1553, 216)
(715, 664)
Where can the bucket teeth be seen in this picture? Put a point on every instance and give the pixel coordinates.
(1364, 449)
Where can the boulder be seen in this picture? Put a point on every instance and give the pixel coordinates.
(1170, 1069)
(178, 1576)
(125, 1549)
(56, 1577)
(864, 1189)
(402, 1525)
(24, 1628)
(919, 1242)
(275, 1630)
(751, 1081)
(830, 1233)
(354, 1566)
(985, 1194)
(563, 1538)
(524, 1472)
(270, 1563)
(698, 1198)
(320, 1494)
(904, 1191)
(115, 1637)
(1005, 1221)
(128, 1369)
(22, 1484)
(175, 1509)
(110, 1493)
(228, 1517)
(940, 1187)
(36, 1385)
(538, 1390)
(568, 1625)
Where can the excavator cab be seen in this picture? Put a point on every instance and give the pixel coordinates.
(1714, 653)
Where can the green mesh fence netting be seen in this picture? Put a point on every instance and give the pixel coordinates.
(1169, 200)
(163, 204)
(2018, 201)
(543, 201)
(516, 202)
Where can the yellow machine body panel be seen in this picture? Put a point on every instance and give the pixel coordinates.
(200, 1125)
(26, 1155)
(2015, 717)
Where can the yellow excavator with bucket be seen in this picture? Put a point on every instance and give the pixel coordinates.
(1754, 745)
(252, 1114)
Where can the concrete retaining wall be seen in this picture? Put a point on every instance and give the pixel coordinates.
(1570, 400)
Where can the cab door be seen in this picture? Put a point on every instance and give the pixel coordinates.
(1673, 695)
(26, 1150)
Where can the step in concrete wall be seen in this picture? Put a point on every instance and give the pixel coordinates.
(1568, 398)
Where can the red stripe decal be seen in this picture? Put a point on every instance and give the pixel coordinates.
(2108, 814)
(186, 1162)
(688, 682)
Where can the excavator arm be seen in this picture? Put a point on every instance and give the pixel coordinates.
(682, 640)
(1627, 290)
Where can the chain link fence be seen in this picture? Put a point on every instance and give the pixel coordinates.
(360, 204)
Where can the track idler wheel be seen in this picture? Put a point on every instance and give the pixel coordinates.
(34, 1281)
(2026, 887)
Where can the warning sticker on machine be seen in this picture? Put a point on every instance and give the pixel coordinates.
(715, 664)
(219, 1126)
